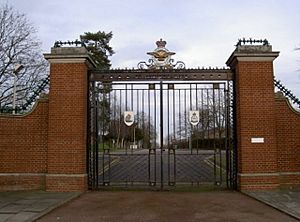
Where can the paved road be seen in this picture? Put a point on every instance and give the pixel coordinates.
(141, 167)
(25, 206)
(166, 206)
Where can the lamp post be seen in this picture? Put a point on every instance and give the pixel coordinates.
(17, 69)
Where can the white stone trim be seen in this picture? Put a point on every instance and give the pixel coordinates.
(66, 175)
(260, 57)
(255, 59)
(258, 174)
(67, 60)
(267, 174)
(21, 174)
(290, 173)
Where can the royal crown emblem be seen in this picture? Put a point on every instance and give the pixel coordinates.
(161, 58)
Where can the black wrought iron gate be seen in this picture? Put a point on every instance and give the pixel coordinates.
(160, 134)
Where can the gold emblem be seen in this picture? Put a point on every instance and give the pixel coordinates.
(161, 58)
(161, 53)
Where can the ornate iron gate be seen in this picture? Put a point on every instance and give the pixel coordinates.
(160, 133)
(161, 127)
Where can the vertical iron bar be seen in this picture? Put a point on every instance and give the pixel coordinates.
(202, 145)
(126, 109)
(227, 136)
(115, 110)
(179, 105)
(234, 136)
(174, 113)
(120, 119)
(96, 137)
(143, 111)
(155, 117)
(214, 136)
(89, 136)
(148, 145)
(95, 140)
(133, 125)
(192, 126)
(208, 123)
(168, 129)
(149, 142)
(155, 107)
(138, 108)
(108, 98)
(174, 133)
(220, 138)
(185, 120)
(161, 137)
(131, 176)
(102, 135)
(197, 130)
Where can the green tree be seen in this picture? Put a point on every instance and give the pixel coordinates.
(98, 45)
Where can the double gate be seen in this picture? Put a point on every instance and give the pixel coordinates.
(161, 129)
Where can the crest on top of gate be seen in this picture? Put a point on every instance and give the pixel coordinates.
(161, 58)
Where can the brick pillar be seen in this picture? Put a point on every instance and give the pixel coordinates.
(255, 116)
(67, 119)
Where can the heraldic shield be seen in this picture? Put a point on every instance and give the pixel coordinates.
(128, 118)
(194, 117)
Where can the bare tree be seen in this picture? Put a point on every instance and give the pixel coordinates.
(141, 132)
(19, 45)
(212, 114)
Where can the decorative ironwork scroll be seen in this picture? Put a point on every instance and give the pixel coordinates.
(161, 59)
(58, 44)
(37, 92)
(251, 41)
(287, 92)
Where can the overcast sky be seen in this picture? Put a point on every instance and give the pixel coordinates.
(201, 32)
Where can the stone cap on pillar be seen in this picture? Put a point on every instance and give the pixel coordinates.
(252, 52)
(70, 55)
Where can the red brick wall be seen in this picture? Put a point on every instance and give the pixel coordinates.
(256, 118)
(288, 142)
(67, 127)
(23, 149)
(258, 182)
(66, 183)
(47, 148)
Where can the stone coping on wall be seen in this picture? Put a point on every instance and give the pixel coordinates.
(70, 55)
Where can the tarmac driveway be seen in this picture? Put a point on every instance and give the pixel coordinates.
(137, 206)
